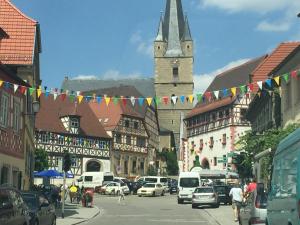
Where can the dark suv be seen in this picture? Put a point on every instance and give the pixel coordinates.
(13, 211)
(223, 193)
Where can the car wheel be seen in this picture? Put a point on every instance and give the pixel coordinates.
(163, 193)
(139, 195)
(194, 206)
(216, 205)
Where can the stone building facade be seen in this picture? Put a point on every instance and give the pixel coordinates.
(173, 59)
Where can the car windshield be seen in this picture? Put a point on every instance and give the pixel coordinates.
(88, 178)
(220, 189)
(204, 190)
(149, 185)
(30, 201)
(108, 178)
(189, 182)
(163, 180)
(154, 180)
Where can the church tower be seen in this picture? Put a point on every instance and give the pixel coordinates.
(173, 56)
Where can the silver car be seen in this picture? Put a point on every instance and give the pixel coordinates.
(205, 196)
(255, 209)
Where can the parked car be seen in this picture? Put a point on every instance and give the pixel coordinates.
(205, 196)
(115, 187)
(223, 193)
(255, 209)
(13, 210)
(41, 212)
(151, 189)
(156, 179)
(283, 204)
(173, 187)
(137, 185)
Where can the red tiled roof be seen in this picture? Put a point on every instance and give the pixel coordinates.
(210, 106)
(265, 69)
(110, 115)
(48, 118)
(22, 32)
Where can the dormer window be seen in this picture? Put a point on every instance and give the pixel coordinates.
(74, 123)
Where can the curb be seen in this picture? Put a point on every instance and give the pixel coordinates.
(98, 212)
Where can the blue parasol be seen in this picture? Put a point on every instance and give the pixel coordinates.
(48, 173)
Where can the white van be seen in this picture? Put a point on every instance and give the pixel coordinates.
(157, 180)
(95, 179)
(187, 183)
(283, 205)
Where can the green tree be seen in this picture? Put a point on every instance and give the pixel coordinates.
(41, 160)
(251, 144)
(151, 171)
(170, 157)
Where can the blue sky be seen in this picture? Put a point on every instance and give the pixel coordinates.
(114, 39)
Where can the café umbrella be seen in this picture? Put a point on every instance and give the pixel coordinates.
(49, 174)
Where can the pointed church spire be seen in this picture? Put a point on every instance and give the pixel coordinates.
(174, 27)
(160, 35)
(187, 32)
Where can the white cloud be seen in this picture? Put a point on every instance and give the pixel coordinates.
(144, 47)
(275, 26)
(202, 81)
(288, 11)
(110, 74)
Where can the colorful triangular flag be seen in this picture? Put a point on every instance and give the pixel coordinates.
(124, 100)
(115, 100)
(72, 97)
(250, 87)
(31, 90)
(233, 91)
(63, 96)
(216, 93)
(182, 98)
(141, 101)
(23, 90)
(149, 100)
(269, 82)
(294, 74)
(174, 99)
(199, 97)
(260, 83)
(55, 94)
(80, 98)
(286, 77)
(157, 100)
(99, 99)
(16, 87)
(166, 99)
(132, 99)
(87, 99)
(277, 80)
(191, 98)
(243, 89)
(225, 92)
(1, 82)
(107, 100)
(39, 92)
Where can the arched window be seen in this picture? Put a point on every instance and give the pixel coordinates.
(93, 166)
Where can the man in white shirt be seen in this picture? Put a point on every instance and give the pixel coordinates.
(237, 197)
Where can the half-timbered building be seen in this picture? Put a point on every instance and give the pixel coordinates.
(127, 127)
(213, 127)
(63, 125)
(13, 110)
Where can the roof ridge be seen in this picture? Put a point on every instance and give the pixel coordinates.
(272, 53)
(243, 64)
(20, 12)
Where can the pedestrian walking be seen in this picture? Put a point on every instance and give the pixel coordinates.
(121, 194)
(237, 197)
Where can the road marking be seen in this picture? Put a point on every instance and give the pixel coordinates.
(177, 221)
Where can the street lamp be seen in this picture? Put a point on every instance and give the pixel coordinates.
(35, 107)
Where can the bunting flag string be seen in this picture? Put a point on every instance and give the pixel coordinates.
(246, 89)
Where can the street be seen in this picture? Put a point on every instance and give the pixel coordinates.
(156, 210)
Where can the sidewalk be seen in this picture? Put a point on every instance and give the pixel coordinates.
(76, 214)
(222, 215)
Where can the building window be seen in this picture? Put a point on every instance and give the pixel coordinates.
(224, 139)
(16, 115)
(128, 140)
(243, 115)
(74, 122)
(201, 144)
(211, 142)
(118, 138)
(175, 74)
(215, 161)
(103, 145)
(141, 142)
(4, 110)
(133, 169)
(45, 138)
(126, 123)
(136, 125)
